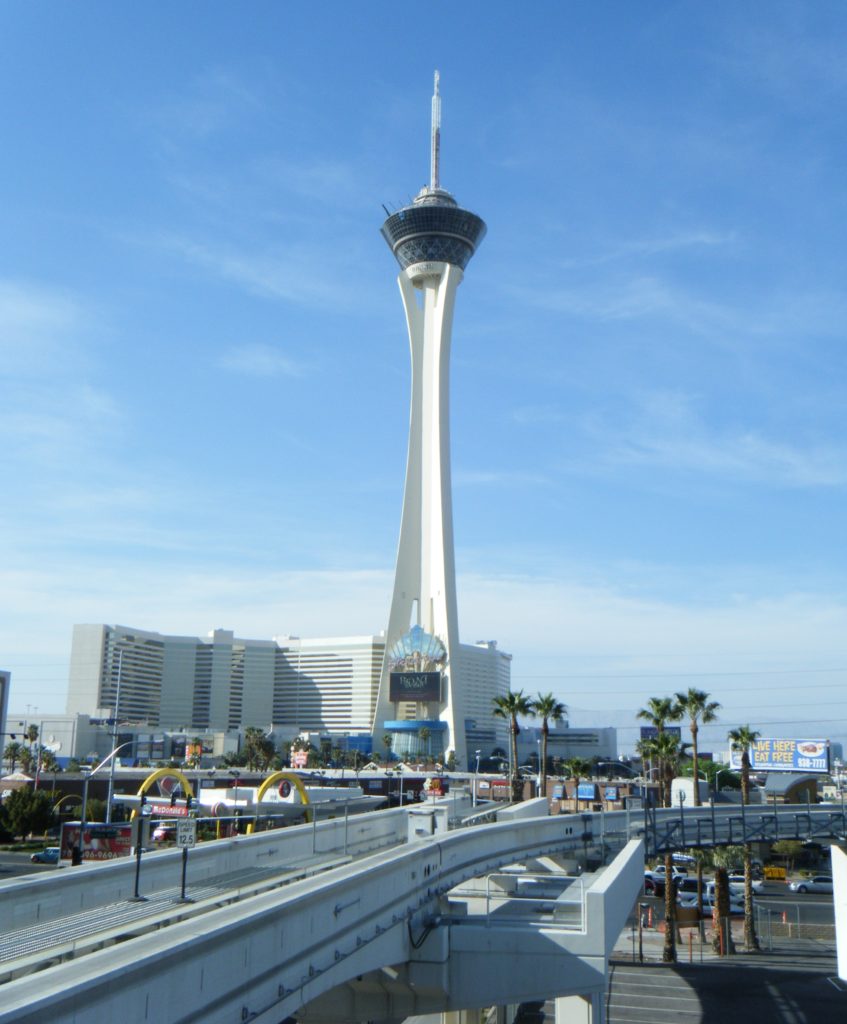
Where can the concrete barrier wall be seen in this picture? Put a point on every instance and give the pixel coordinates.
(64, 891)
(262, 958)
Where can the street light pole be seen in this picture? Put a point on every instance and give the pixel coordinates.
(80, 849)
(116, 712)
(475, 777)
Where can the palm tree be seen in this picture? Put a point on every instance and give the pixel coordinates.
(576, 768)
(702, 858)
(547, 708)
(667, 750)
(723, 857)
(669, 949)
(742, 739)
(12, 753)
(509, 706)
(696, 707)
(658, 712)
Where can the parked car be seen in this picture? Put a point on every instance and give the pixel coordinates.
(818, 883)
(50, 855)
(736, 883)
(654, 881)
(164, 834)
(736, 905)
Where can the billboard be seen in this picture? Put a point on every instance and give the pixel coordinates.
(650, 732)
(419, 686)
(102, 842)
(781, 755)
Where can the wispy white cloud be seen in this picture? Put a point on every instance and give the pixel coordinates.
(322, 180)
(259, 360)
(666, 432)
(630, 299)
(528, 414)
(659, 245)
(746, 456)
(37, 328)
(54, 408)
(298, 275)
(486, 477)
(215, 100)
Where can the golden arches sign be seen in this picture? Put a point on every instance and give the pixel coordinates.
(164, 773)
(272, 780)
(69, 797)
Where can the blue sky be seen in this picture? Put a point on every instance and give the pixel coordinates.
(204, 367)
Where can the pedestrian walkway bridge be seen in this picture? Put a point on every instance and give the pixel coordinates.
(382, 917)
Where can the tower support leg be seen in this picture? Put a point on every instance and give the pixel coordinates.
(589, 1008)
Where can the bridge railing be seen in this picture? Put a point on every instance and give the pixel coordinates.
(671, 829)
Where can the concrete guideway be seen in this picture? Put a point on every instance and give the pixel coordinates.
(375, 939)
(267, 956)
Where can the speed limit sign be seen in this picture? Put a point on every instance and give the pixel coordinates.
(186, 833)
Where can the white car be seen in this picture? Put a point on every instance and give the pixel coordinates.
(736, 905)
(818, 883)
(736, 883)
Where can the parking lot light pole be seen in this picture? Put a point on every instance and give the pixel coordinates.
(79, 851)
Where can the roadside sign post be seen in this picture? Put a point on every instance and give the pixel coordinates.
(186, 839)
(143, 825)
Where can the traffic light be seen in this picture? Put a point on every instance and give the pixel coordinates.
(189, 800)
(173, 798)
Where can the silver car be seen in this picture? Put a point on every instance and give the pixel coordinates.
(817, 883)
(736, 882)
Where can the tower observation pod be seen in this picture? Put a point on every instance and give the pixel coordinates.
(420, 704)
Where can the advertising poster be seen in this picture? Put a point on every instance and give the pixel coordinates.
(781, 755)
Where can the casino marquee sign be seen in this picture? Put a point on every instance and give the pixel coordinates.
(418, 686)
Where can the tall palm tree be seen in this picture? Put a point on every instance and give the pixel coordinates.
(669, 949)
(509, 706)
(697, 708)
(665, 750)
(722, 857)
(658, 712)
(742, 739)
(547, 708)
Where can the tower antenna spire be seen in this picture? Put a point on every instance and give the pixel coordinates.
(435, 153)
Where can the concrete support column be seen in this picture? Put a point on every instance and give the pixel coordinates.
(589, 1008)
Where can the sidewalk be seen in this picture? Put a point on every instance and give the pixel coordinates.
(784, 951)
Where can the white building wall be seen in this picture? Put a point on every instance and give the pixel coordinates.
(486, 673)
(329, 683)
(257, 701)
(86, 669)
(179, 665)
(222, 683)
(565, 742)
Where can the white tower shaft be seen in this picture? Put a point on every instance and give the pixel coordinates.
(425, 579)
